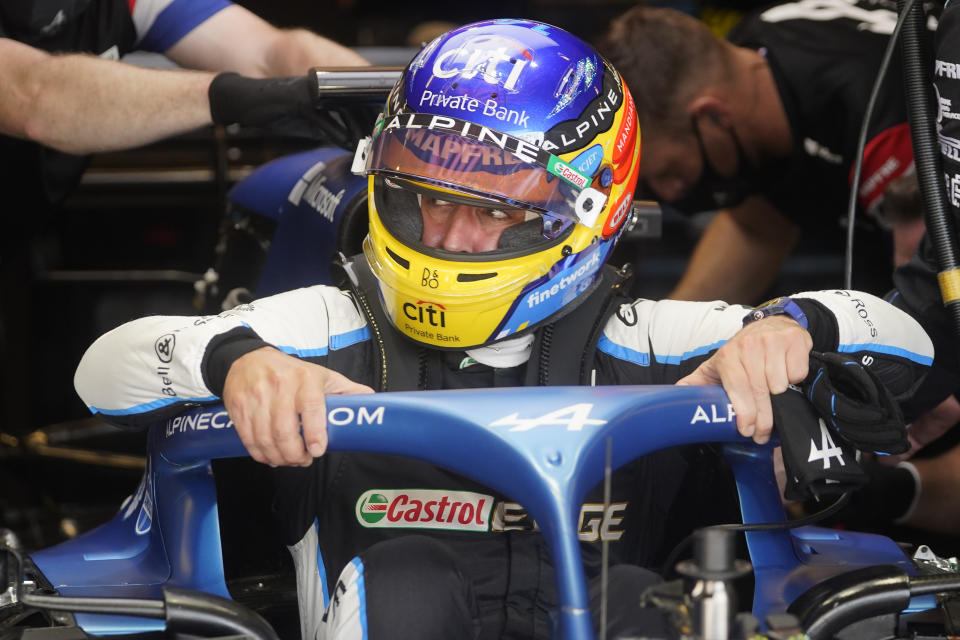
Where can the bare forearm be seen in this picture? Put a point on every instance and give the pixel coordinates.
(733, 263)
(266, 52)
(82, 104)
(303, 49)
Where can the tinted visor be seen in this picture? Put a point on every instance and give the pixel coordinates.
(483, 168)
(418, 215)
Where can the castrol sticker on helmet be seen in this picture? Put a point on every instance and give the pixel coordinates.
(424, 509)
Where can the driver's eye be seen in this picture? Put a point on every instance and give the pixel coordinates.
(434, 202)
(496, 214)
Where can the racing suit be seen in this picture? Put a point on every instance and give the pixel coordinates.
(502, 582)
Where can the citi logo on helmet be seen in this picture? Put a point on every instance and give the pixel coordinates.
(483, 61)
(424, 509)
(433, 314)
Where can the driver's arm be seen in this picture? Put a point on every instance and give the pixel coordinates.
(153, 368)
(739, 255)
(83, 104)
(266, 51)
(765, 356)
(270, 396)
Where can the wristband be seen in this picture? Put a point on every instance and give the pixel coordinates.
(777, 307)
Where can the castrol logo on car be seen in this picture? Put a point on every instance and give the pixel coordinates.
(424, 509)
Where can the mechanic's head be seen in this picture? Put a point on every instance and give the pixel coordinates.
(500, 175)
(685, 80)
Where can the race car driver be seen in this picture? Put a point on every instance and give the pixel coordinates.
(500, 176)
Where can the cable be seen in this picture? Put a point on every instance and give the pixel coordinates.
(668, 564)
(862, 143)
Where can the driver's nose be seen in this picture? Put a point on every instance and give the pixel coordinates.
(465, 233)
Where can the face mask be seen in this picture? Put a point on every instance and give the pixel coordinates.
(714, 191)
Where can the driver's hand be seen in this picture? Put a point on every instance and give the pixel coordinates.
(759, 360)
(271, 395)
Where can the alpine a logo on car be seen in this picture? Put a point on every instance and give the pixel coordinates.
(424, 509)
(145, 517)
(142, 498)
(572, 418)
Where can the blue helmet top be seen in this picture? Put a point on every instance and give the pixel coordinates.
(521, 77)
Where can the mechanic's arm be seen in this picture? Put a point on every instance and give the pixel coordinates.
(739, 255)
(84, 104)
(764, 356)
(264, 50)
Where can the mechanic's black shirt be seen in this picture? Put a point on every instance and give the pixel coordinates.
(824, 56)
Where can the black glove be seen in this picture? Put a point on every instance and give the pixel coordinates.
(816, 462)
(851, 399)
(286, 106)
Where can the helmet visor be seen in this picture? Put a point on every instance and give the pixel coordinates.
(495, 166)
(438, 221)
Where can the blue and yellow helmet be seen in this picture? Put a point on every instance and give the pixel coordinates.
(505, 115)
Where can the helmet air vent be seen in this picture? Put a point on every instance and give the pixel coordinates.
(403, 262)
(474, 277)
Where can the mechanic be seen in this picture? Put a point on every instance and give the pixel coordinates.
(763, 129)
(66, 95)
(499, 179)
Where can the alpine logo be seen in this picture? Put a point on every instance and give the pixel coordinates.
(828, 448)
(572, 418)
(424, 509)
